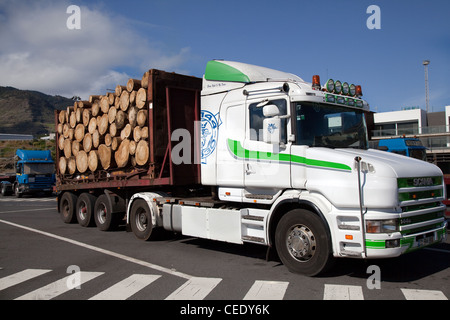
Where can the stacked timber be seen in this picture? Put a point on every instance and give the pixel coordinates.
(106, 132)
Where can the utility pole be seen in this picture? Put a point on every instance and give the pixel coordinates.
(425, 64)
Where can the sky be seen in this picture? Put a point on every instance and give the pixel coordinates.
(46, 46)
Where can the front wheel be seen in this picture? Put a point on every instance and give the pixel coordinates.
(141, 220)
(303, 243)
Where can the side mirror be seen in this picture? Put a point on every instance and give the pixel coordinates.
(271, 110)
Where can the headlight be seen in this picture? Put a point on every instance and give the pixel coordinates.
(330, 85)
(338, 87)
(381, 226)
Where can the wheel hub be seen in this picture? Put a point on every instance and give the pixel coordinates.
(301, 243)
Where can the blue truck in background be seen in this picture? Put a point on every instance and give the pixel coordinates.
(35, 173)
(410, 147)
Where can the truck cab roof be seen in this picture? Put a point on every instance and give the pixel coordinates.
(34, 155)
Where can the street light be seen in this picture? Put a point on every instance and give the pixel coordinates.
(425, 64)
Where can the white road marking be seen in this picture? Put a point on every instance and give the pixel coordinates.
(194, 289)
(414, 294)
(20, 277)
(267, 290)
(341, 292)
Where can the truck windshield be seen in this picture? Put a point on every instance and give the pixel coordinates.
(39, 168)
(322, 125)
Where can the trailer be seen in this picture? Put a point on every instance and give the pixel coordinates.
(246, 154)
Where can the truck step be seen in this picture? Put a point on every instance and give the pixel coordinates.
(253, 239)
(253, 218)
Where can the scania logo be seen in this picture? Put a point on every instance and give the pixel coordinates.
(420, 182)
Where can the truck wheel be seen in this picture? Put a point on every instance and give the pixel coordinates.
(16, 191)
(303, 243)
(85, 210)
(141, 220)
(67, 207)
(104, 217)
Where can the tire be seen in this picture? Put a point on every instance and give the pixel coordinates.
(85, 210)
(141, 220)
(16, 191)
(303, 243)
(105, 219)
(67, 207)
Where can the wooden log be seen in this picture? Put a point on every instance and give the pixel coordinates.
(70, 134)
(75, 147)
(93, 98)
(104, 104)
(108, 140)
(87, 142)
(124, 100)
(82, 161)
(141, 98)
(95, 108)
(137, 134)
(66, 130)
(62, 116)
(62, 165)
(145, 79)
(111, 98)
(113, 129)
(142, 152)
(144, 133)
(68, 111)
(117, 102)
(61, 142)
(122, 154)
(104, 153)
(59, 128)
(72, 120)
(126, 132)
(133, 97)
(121, 118)
(142, 117)
(71, 165)
(86, 117)
(67, 148)
(132, 147)
(79, 132)
(119, 90)
(132, 115)
(133, 84)
(112, 114)
(115, 143)
(78, 115)
(96, 140)
(93, 160)
(133, 161)
(103, 124)
(84, 104)
(92, 125)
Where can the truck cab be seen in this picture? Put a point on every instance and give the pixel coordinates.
(410, 147)
(35, 172)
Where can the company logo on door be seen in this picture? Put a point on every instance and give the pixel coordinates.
(422, 182)
(210, 132)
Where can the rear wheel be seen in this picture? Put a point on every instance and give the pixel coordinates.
(303, 243)
(105, 218)
(67, 207)
(85, 210)
(141, 220)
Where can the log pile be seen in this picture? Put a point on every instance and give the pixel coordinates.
(107, 132)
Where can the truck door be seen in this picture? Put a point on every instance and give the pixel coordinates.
(266, 165)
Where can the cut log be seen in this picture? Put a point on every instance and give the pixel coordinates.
(72, 120)
(141, 98)
(119, 90)
(79, 132)
(137, 134)
(121, 118)
(70, 134)
(61, 142)
(84, 104)
(142, 152)
(68, 111)
(132, 147)
(87, 142)
(133, 84)
(108, 139)
(132, 115)
(142, 118)
(92, 125)
(75, 147)
(62, 165)
(67, 148)
(59, 128)
(93, 98)
(96, 139)
(104, 153)
(113, 129)
(93, 160)
(95, 108)
(103, 125)
(133, 97)
(115, 143)
(122, 154)
(112, 114)
(66, 130)
(104, 104)
(71, 165)
(145, 78)
(78, 115)
(82, 161)
(126, 132)
(124, 100)
(144, 133)
(86, 117)
(111, 98)
(62, 116)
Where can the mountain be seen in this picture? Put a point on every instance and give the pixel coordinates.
(29, 112)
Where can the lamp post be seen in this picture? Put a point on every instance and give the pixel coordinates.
(425, 64)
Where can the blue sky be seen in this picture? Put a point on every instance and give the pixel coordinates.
(119, 40)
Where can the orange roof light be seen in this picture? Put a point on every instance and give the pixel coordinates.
(358, 91)
(316, 82)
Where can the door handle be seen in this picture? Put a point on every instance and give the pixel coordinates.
(248, 169)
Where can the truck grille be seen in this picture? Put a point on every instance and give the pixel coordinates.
(420, 200)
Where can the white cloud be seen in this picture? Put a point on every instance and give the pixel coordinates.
(39, 52)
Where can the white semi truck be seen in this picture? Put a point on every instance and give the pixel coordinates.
(276, 161)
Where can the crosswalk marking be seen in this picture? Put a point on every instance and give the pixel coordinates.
(194, 289)
(59, 287)
(20, 277)
(414, 294)
(267, 290)
(341, 292)
(126, 288)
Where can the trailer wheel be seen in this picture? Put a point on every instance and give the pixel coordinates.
(85, 210)
(141, 220)
(104, 217)
(67, 207)
(303, 243)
